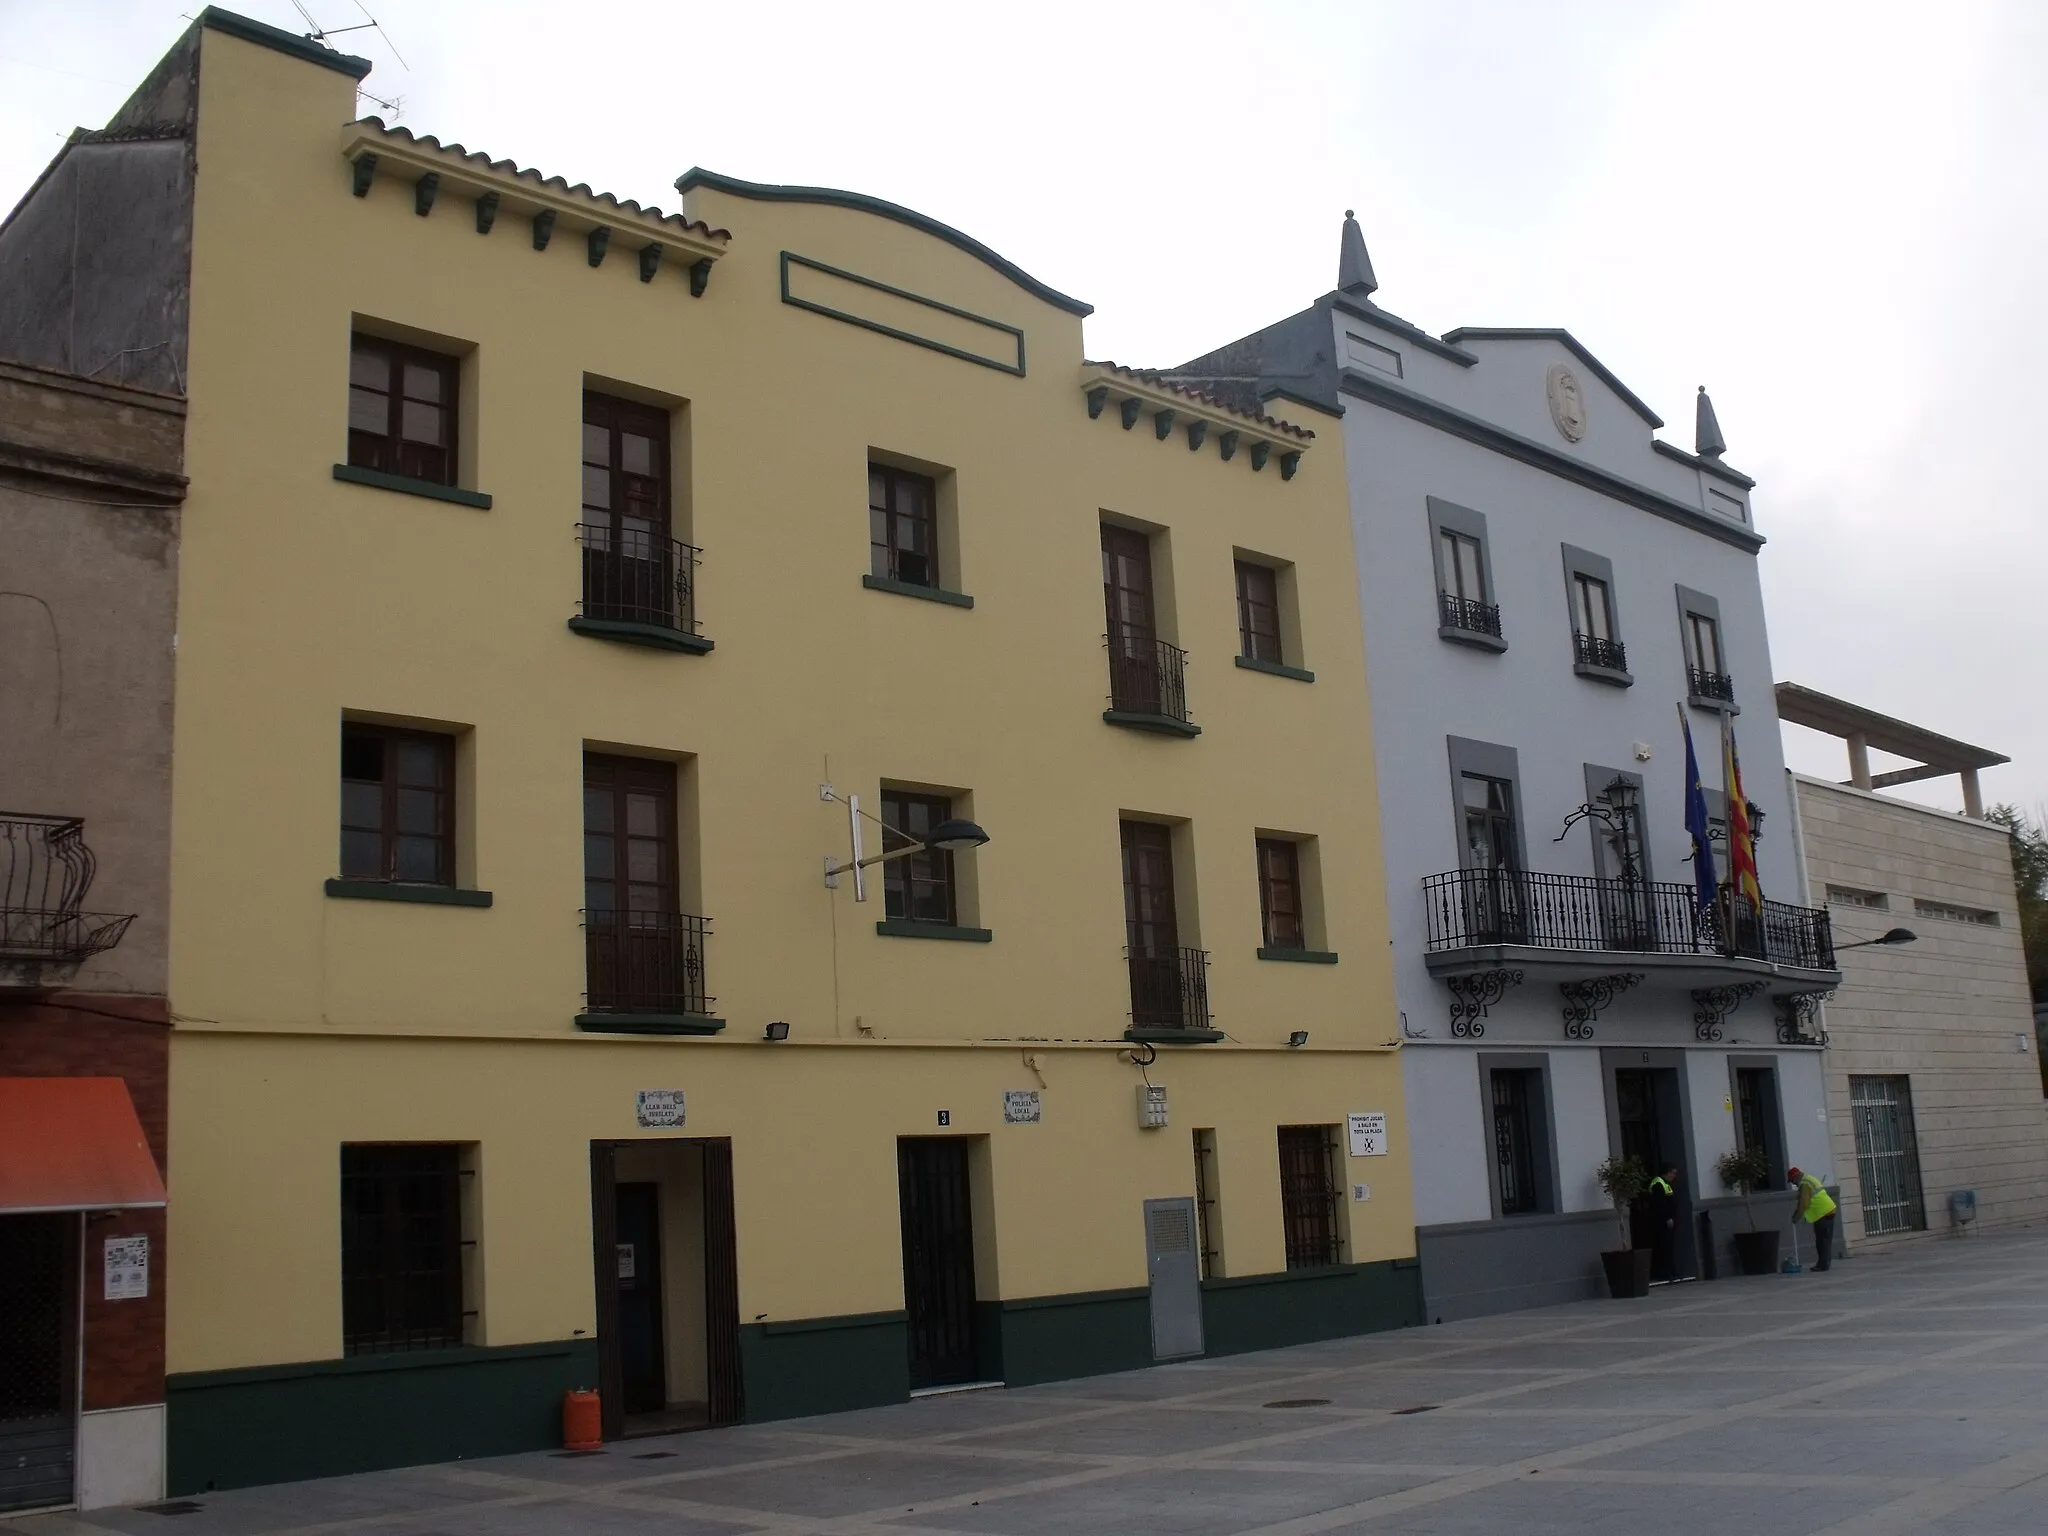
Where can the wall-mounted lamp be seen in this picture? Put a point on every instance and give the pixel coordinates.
(777, 1031)
(1895, 936)
(1298, 1039)
(953, 835)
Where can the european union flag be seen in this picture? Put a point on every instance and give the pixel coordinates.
(1705, 886)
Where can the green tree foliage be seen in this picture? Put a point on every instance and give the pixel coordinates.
(2030, 883)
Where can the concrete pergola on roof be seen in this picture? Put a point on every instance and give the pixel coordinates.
(1863, 729)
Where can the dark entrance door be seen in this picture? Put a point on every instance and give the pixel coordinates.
(643, 1380)
(1133, 631)
(38, 1334)
(938, 1259)
(1646, 1101)
(721, 1288)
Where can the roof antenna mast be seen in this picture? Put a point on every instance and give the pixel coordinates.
(369, 23)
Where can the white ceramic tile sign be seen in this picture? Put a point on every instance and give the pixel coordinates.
(127, 1268)
(1368, 1132)
(658, 1109)
(1020, 1106)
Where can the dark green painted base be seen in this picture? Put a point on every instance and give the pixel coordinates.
(281, 1423)
(654, 636)
(1299, 1306)
(824, 1365)
(1052, 1338)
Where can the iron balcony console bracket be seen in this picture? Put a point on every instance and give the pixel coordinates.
(1716, 1003)
(1584, 1001)
(1796, 1015)
(1473, 995)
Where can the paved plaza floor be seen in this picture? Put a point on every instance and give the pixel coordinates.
(1899, 1393)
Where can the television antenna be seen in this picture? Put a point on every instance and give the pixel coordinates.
(319, 34)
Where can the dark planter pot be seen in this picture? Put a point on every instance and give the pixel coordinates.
(1757, 1252)
(1628, 1272)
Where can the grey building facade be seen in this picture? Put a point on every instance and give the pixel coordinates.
(1547, 589)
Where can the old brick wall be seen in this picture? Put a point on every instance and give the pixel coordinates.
(77, 1034)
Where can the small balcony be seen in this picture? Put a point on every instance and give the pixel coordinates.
(45, 873)
(1468, 621)
(639, 589)
(1713, 687)
(1600, 655)
(1577, 927)
(1170, 997)
(644, 974)
(1148, 686)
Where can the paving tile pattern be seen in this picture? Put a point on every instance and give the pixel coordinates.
(1906, 1392)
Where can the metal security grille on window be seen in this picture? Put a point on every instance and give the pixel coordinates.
(401, 1248)
(1513, 1146)
(1955, 914)
(1308, 1195)
(1845, 896)
(1172, 1232)
(1887, 1154)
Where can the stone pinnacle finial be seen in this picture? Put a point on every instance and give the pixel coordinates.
(1354, 267)
(1707, 440)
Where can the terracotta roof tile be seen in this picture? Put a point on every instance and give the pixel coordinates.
(1214, 401)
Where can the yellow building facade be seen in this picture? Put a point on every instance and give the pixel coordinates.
(501, 819)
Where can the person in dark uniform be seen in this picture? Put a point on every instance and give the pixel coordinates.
(1664, 1225)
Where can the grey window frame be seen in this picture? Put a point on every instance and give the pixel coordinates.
(1774, 1133)
(1583, 562)
(1448, 516)
(1542, 1137)
(1488, 760)
(1690, 603)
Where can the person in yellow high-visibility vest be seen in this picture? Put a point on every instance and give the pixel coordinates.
(1812, 1203)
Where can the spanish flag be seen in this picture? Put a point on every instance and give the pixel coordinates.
(1741, 836)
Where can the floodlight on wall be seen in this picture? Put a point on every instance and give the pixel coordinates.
(778, 1031)
(1895, 936)
(953, 835)
(1298, 1039)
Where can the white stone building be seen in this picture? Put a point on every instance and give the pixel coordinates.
(1547, 588)
(1934, 1089)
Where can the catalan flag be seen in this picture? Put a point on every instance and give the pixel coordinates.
(1741, 836)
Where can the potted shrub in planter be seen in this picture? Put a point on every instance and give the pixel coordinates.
(1623, 1180)
(1747, 1169)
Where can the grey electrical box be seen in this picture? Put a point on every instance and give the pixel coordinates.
(1151, 1108)
(1962, 1206)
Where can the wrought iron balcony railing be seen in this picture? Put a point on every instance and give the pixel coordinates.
(1467, 908)
(1147, 677)
(1709, 685)
(1170, 990)
(45, 872)
(1468, 614)
(645, 962)
(1592, 651)
(637, 578)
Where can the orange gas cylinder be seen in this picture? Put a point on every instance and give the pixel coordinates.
(582, 1422)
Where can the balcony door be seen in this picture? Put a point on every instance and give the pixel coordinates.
(643, 954)
(1621, 859)
(1151, 931)
(630, 568)
(1492, 859)
(1127, 596)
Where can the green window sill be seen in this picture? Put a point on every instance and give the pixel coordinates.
(411, 487)
(657, 637)
(1300, 956)
(1151, 1034)
(912, 589)
(1164, 725)
(907, 928)
(1253, 664)
(648, 1024)
(392, 890)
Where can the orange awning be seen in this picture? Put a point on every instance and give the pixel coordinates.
(73, 1144)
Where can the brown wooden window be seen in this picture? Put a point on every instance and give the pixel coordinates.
(1308, 1195)
(401, 409)
(401, 1247)
(629, 835)
(918, 886)
(1258, 612)
(1280, 906)
(397, 805)
(903, 526)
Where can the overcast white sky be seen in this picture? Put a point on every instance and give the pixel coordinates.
(1831, 214)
